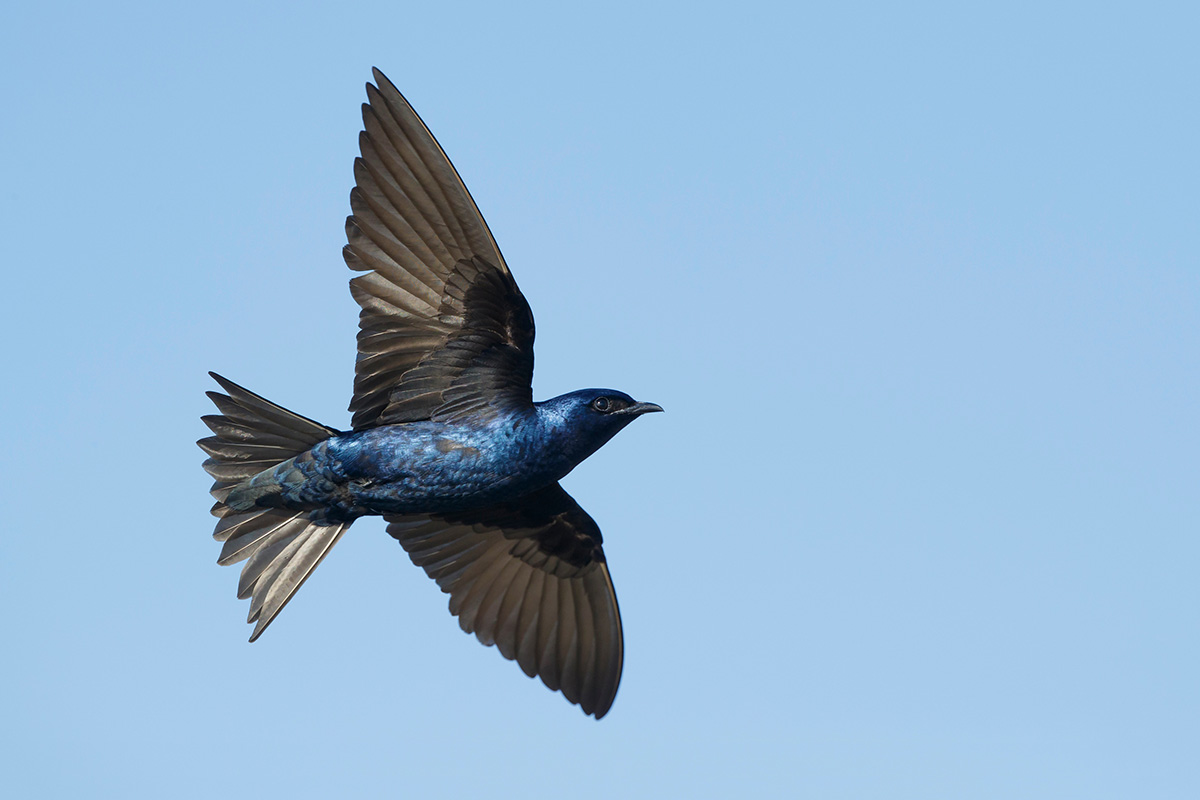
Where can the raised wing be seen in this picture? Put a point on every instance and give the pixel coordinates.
(444, 332)
(529, 577)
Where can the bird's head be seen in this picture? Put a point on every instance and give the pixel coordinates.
(582, 421)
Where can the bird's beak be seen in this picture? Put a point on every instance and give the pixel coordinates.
(637, 409)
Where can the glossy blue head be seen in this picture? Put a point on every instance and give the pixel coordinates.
(579, 423)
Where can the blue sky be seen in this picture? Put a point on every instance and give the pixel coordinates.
(918, 288)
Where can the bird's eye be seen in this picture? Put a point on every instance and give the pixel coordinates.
(602, 404)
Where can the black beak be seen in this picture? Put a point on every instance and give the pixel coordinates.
(637, 409)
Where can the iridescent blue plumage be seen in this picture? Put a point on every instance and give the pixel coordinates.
(429, 467)
(447, 444)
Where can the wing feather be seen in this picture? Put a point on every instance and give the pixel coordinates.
(444, 330)
(529, 577)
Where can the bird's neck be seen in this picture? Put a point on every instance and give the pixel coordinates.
(561, 444)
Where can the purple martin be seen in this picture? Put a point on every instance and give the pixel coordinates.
(447, 443)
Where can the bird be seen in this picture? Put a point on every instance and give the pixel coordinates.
(446, 442)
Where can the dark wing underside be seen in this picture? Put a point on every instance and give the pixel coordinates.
(529, 577)
(444, 331)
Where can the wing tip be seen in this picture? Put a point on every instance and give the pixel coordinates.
(382, 81)
(229, 386)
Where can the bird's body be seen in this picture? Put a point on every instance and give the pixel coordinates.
(447, 444)
(429, 467)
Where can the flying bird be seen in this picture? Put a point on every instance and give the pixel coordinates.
(446, 444)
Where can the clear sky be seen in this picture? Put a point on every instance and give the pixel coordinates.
(918, 287)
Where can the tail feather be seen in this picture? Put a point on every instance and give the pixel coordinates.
(230, 432)
(246, 532)
(281, 547)
(287, 572)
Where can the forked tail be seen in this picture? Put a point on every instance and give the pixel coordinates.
(281, 547)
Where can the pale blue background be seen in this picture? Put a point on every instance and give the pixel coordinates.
(917, 285)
